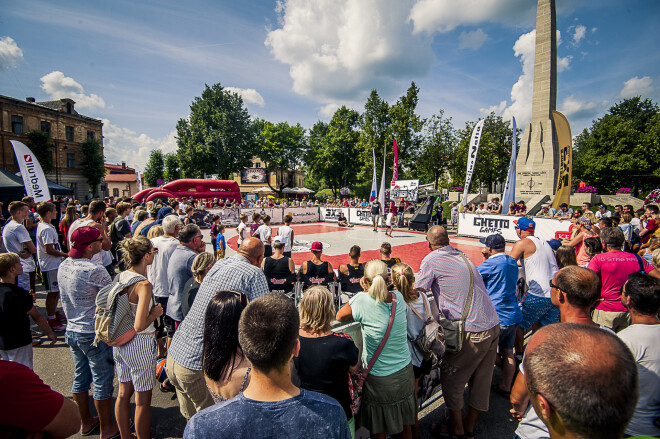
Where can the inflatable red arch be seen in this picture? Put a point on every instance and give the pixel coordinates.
(195, 188)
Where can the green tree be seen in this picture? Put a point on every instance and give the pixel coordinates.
(41, 145)
(92, 164)
(282, 149)
(171, 167)
(374, 124)
(333, 148)
(155, 168)
(405, 127)
(438, 147)
(621, 149)
(218, 137)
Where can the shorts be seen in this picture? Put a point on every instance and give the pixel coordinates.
(136, 362)
(167, 320)
(614, 320)
(93, 364)
(507, 337)
(374, 220)
(50, 281)
(535, 308)
(191, 389)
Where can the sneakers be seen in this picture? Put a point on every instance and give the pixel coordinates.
(60, 317)
(56, 326)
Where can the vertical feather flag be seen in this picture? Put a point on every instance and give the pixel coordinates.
(381, 195)
(372, 195)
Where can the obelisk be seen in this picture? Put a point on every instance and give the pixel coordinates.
(536, 166)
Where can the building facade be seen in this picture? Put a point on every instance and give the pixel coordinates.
(67, 128)
(257, 177)
(120, 181)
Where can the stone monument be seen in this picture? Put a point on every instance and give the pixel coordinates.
(537, 162)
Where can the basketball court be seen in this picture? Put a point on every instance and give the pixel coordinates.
(410, 246)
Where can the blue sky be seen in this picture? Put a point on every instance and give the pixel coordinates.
(138, 65)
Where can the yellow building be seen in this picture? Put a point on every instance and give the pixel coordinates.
(119, 181)
(67, 129)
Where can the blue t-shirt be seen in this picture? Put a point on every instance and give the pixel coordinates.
(500, 275)
(308, 415)
(220, 242)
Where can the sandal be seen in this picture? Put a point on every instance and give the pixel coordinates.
(92, 430)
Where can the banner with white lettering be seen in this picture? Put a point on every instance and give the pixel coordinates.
(509, 193)
(359, 216)
(204, 217)
(36, 185)
(331, 214)
(480, 226)
(303, 214)
(472, 158)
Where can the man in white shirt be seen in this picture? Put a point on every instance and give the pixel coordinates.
(265, 232)
(287, 234)
(603, 212)
(242, 229)
(16, 239)
(50, 257)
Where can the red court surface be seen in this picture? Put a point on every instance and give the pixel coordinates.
(411, 247)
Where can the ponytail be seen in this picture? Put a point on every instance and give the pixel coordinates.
(403, 279)
(375, 274)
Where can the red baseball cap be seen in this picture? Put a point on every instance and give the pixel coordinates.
(80, 239)
(317, 246)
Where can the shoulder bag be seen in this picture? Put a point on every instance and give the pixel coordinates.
(431, 339)
(454, 329)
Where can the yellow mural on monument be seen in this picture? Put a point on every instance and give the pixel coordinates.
(565, 170)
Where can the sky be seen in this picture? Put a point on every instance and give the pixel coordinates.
(138, 66)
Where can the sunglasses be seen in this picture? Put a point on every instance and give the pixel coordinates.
(552, 285)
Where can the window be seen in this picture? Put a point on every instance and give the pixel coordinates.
(45, 127)
(90, 135)
(115, 192)
(69, 107)
(70, 160)
(69, 133)
(257, 165)
(17, 124)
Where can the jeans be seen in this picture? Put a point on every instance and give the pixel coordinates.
(93, 364)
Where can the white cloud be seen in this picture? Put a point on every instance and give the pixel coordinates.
(122, 144)
(637, 86)
(249, 95)
(446, 15)
(10, 53)
(472, 40)
(59, 86)
(328, 110)
(579, 34)
(564, 63)
(338, 50)
(497, 109)
(576, 109)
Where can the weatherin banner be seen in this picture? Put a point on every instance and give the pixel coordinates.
(472, 158)
(509, 193)
(564, 139)
(34, 179)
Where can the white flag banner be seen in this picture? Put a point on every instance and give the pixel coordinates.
(139, 181)
(381, 194)
(509, 193)
(34, 179)
(472, 157)
(372, 195)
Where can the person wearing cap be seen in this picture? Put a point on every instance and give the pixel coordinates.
(278, 266)
(80, 281)
(603, 212)
(540, 265)
(500, 274)
(316, 271)
(564, 212)
(547, 210)
(96, 218)
(584, 230)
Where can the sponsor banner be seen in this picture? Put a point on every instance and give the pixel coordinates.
(406, 190)
(302, 214)
(565, 141)
(359, 216)
(34, 180)
(254, 175)
(509, 193)
(275, 214)
(331, 214)
(228, 217)
(480, 226)
(472, 158)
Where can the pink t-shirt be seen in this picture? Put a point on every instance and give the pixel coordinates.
(613, 269)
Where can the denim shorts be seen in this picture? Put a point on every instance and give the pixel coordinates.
(539, 309)
(93, 364)
(507, 337)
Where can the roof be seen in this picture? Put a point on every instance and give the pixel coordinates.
(53, 106)
(121, 177)
(119, 168)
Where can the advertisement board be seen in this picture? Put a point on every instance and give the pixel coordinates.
(360, 216)
(406, 190)
(479, 226)
(331, 214)
(303, 214)
(254, 176)
(275, 214)
(228, 217)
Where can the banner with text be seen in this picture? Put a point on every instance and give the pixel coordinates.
(303, 214)
(480, 226)
(565, 141)
(359, 216)
(34, 180)
(275, 214)
(406, 190)
(472, 158)
(204, 218)
(509, 193)
(331, 214)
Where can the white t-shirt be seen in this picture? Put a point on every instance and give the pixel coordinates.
(14, 236)
(285, 233)
(46, 234)
(481, 211)
(644, 343)
(181, 208)
(635, 222)
(388, 221)
(157, 271)
(606, 214)
(241, 232)
(264, 233)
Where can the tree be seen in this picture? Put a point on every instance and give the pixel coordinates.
(155, 168)
(622, 149)
(405, 126)
(41, 145)
(333, 149)
(282, 149)
(171, 167)
(218, 137)
(438, 147)
(374, 124)
(92, 163)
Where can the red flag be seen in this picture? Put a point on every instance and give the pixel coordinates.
(395, 175)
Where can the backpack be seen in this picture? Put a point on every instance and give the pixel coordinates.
(112, 232)
(114, 323)
(431, 339)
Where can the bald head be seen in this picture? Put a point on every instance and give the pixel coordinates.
(581, 285)
(253, 249)
(437, 236)
(572, 367)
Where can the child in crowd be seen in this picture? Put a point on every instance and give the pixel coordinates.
(15, 305)
(220, 245)
(388, 224)
(214, 229)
